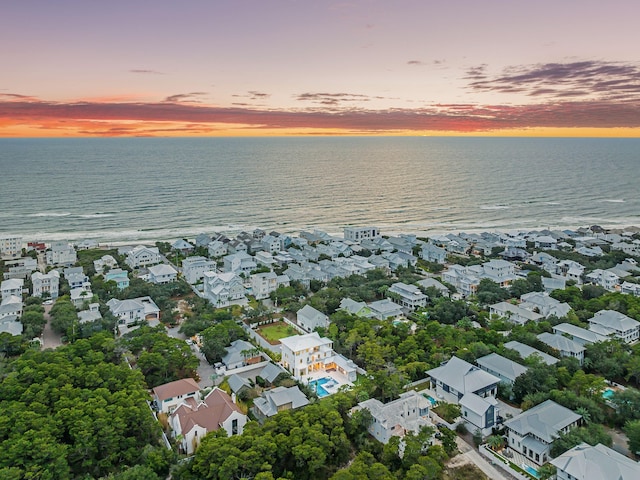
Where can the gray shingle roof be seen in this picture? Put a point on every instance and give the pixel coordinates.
(544, 420)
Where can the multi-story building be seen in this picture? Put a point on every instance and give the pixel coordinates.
(357, 234)
(45, 283)
(142, 256)
(10, 246)
(193, 268)
(409, 297)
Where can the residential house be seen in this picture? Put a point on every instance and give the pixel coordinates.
(409, 297)
(584, 462)
(604, 278)
(224, 289)
(87, 244)
(106, 261)
(263, 284)
(304, 354)
(533, 431)
(433, 283)
(525, 351)
(499, 271)
(579, 335)
(142, 256)
(20, 268)
(162, 273)
(383, 309)
(409, 413)
(182, 246)
(359, 309)
(90, 315)
(193, 268)
(193, 419)
(614, 323)
(168, 396)
(217, 249)
(75, 277)
(12, 287)
(277, 400)
(240, 262)
(455, 378)
(45, 283)
(545, 305)
(10, 246)
(309, 318)
(271, 244)
(514, 313)
(570, 270)
(565, 346)
(357, 234)
(241, 353)
(629, 288)
(121, 277)
(236, 245)
(11, 325)
(545, 242)
(61, 253)
(479, 413)
(203, 240)
(553, 283)
(463, 279)
(11, 307)
(503, 368)
(134, 311)
(265, 259)
(79, 295)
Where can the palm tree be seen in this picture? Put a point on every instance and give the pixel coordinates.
(495, 442)
(586, 415)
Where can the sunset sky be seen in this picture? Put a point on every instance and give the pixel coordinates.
(319, 67)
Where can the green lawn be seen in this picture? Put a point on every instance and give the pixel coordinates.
(274, 332)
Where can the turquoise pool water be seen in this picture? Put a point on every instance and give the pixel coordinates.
(317, 386)
(431, 399)
(530, 470)
(608, 393)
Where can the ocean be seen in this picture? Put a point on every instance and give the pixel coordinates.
(137, 189)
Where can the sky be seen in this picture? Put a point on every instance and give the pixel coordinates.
(82, 68)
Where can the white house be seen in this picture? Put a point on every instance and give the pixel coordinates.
(193, 419)
(409, 297)
(240, 354)
(182, 246)
(134, 311)
(383, 309)
(121, 277)
(565, 346)
(263, 284)
(604, 278)
(240, 262)
(525, 351)
(479, 413)
(409, 413)
(193, 268)
(45, 283)
(617, 324)
(142, 256)
(503, 368)
(514, 313)
(79, 295)
(11, 307)
(106, 261)
(305, 354)
(455, 378)
(277, 400)
(12, 287)
(61, 253)
(584, 462)
(433, 253)
(162, 273)
(10, 246)
(309, 318)
(75, 277)
(168, 396)
(533, 431)
(357, 234)
(217, 249)
(543, 304)
(223, 289)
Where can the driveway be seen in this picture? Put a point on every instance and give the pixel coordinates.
(619, 440)
(50, 339)
(470, 455)
(205, 371)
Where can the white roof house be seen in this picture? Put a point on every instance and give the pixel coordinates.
(224, 289)
(12, 287)
(533, 431)
(383, 309)
(579, 335)
(133, 311)
(584, 462)
(45, 283)
(162, 273)
(278, 399)
(503, 368)
(544, 304)
(564, 346)
(409, 413)
(618, 324)
(409, 297)
(193, 268)
(309, 318)
(514, 313)
(142, 256)
(526, 351)
(457, 377)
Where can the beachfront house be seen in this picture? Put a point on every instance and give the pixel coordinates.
(194, 418)
(142, 256)
(10, 246)
(358, 234)
(61, 253)
(533, 431)
(409, 413)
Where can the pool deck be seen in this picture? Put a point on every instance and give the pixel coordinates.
(339, 379)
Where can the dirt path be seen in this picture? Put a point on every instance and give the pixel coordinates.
(50, 339)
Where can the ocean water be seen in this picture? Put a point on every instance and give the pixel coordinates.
(122, 189)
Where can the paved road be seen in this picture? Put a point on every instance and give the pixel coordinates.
(479, 461)
(205, 370)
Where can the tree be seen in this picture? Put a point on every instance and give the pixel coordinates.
(495, 442)
(632, 430)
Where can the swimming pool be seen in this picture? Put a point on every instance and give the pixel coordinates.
(530, 470)
(608, 393)
(318, 386)
(433, 401)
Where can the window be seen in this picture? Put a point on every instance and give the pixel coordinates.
(234, 426)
